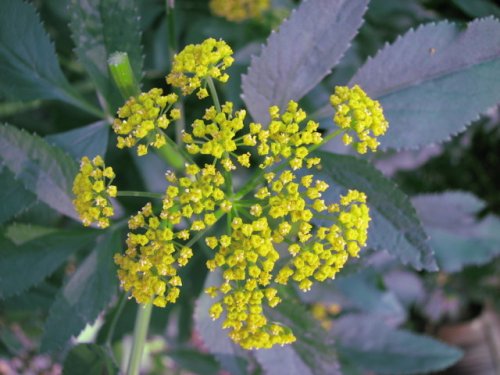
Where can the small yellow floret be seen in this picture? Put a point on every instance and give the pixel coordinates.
(238, 10)
(358, 114)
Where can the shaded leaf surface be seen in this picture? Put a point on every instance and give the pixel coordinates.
(458, 237)
(28, 64)
(394, 226)
(26, 265)
(368, 343)
(13, 195)
(312, 354)
(300, 54)
(434, 81)
(101, 27)
(89, 359)
(90, 140)
(43, 169)
(85, 295)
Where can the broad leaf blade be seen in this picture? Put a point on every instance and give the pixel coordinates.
(101, 27)
(13, 195)
(434, 81)
(28, 66)
(38, 258)
(89, 359)
(370, 344)
(301, 53)
(43, 169)
(394, 226)
(312, 354)
(90, 140)
(85, 295)
(458, 237)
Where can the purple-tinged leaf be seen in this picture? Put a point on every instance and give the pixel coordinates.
(301, 53)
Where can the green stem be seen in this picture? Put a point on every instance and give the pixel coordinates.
(140, 332)
(213, 93)
(141, 194)
(122, 73)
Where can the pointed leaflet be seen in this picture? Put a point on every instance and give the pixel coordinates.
(301, 53)
(434, 81)
(26, 265)
(394, 226)
(458, 236)
(44, 170)
(101, 27)
(90, 140)
(86, 294)
(28, 65)
(369, 344)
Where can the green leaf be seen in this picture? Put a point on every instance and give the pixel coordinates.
(194, 361)
(43, 169)
(368, 343)
(86, 294)
(101, 27)
(20, 233)
(478, 8)
(458, 237)
(301, 53)
(13, 195)
(312, 354)
(26, 265)
(228, 354)
(89, 359)
(28, 68)
(90, 140)
(394, 226)
(434, 81)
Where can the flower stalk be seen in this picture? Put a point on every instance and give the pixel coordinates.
(140, 332)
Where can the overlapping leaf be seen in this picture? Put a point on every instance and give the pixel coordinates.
(13, 195)
(26, 265)
(90, 140)
(394, 226)
(43, 169)
(301, 53)
(101, 27)
(458, 237)
(369, 344)
(434, 81)
(28, 64)
(87, 359)
(85, 295)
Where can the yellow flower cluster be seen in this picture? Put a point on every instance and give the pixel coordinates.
(142, 120)
(197, 63)
(215, 135)
(195, 197)
(238, 10)
(148, 269)
(357, 112)
(284, 138)
(247, 257)
(92, 188)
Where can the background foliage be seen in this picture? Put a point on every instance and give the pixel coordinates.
(434, 80)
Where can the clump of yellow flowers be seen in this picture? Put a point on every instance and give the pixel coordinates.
(92, 188)
(357, 113)
(197, 64)
(238, 10)
(281, 228)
